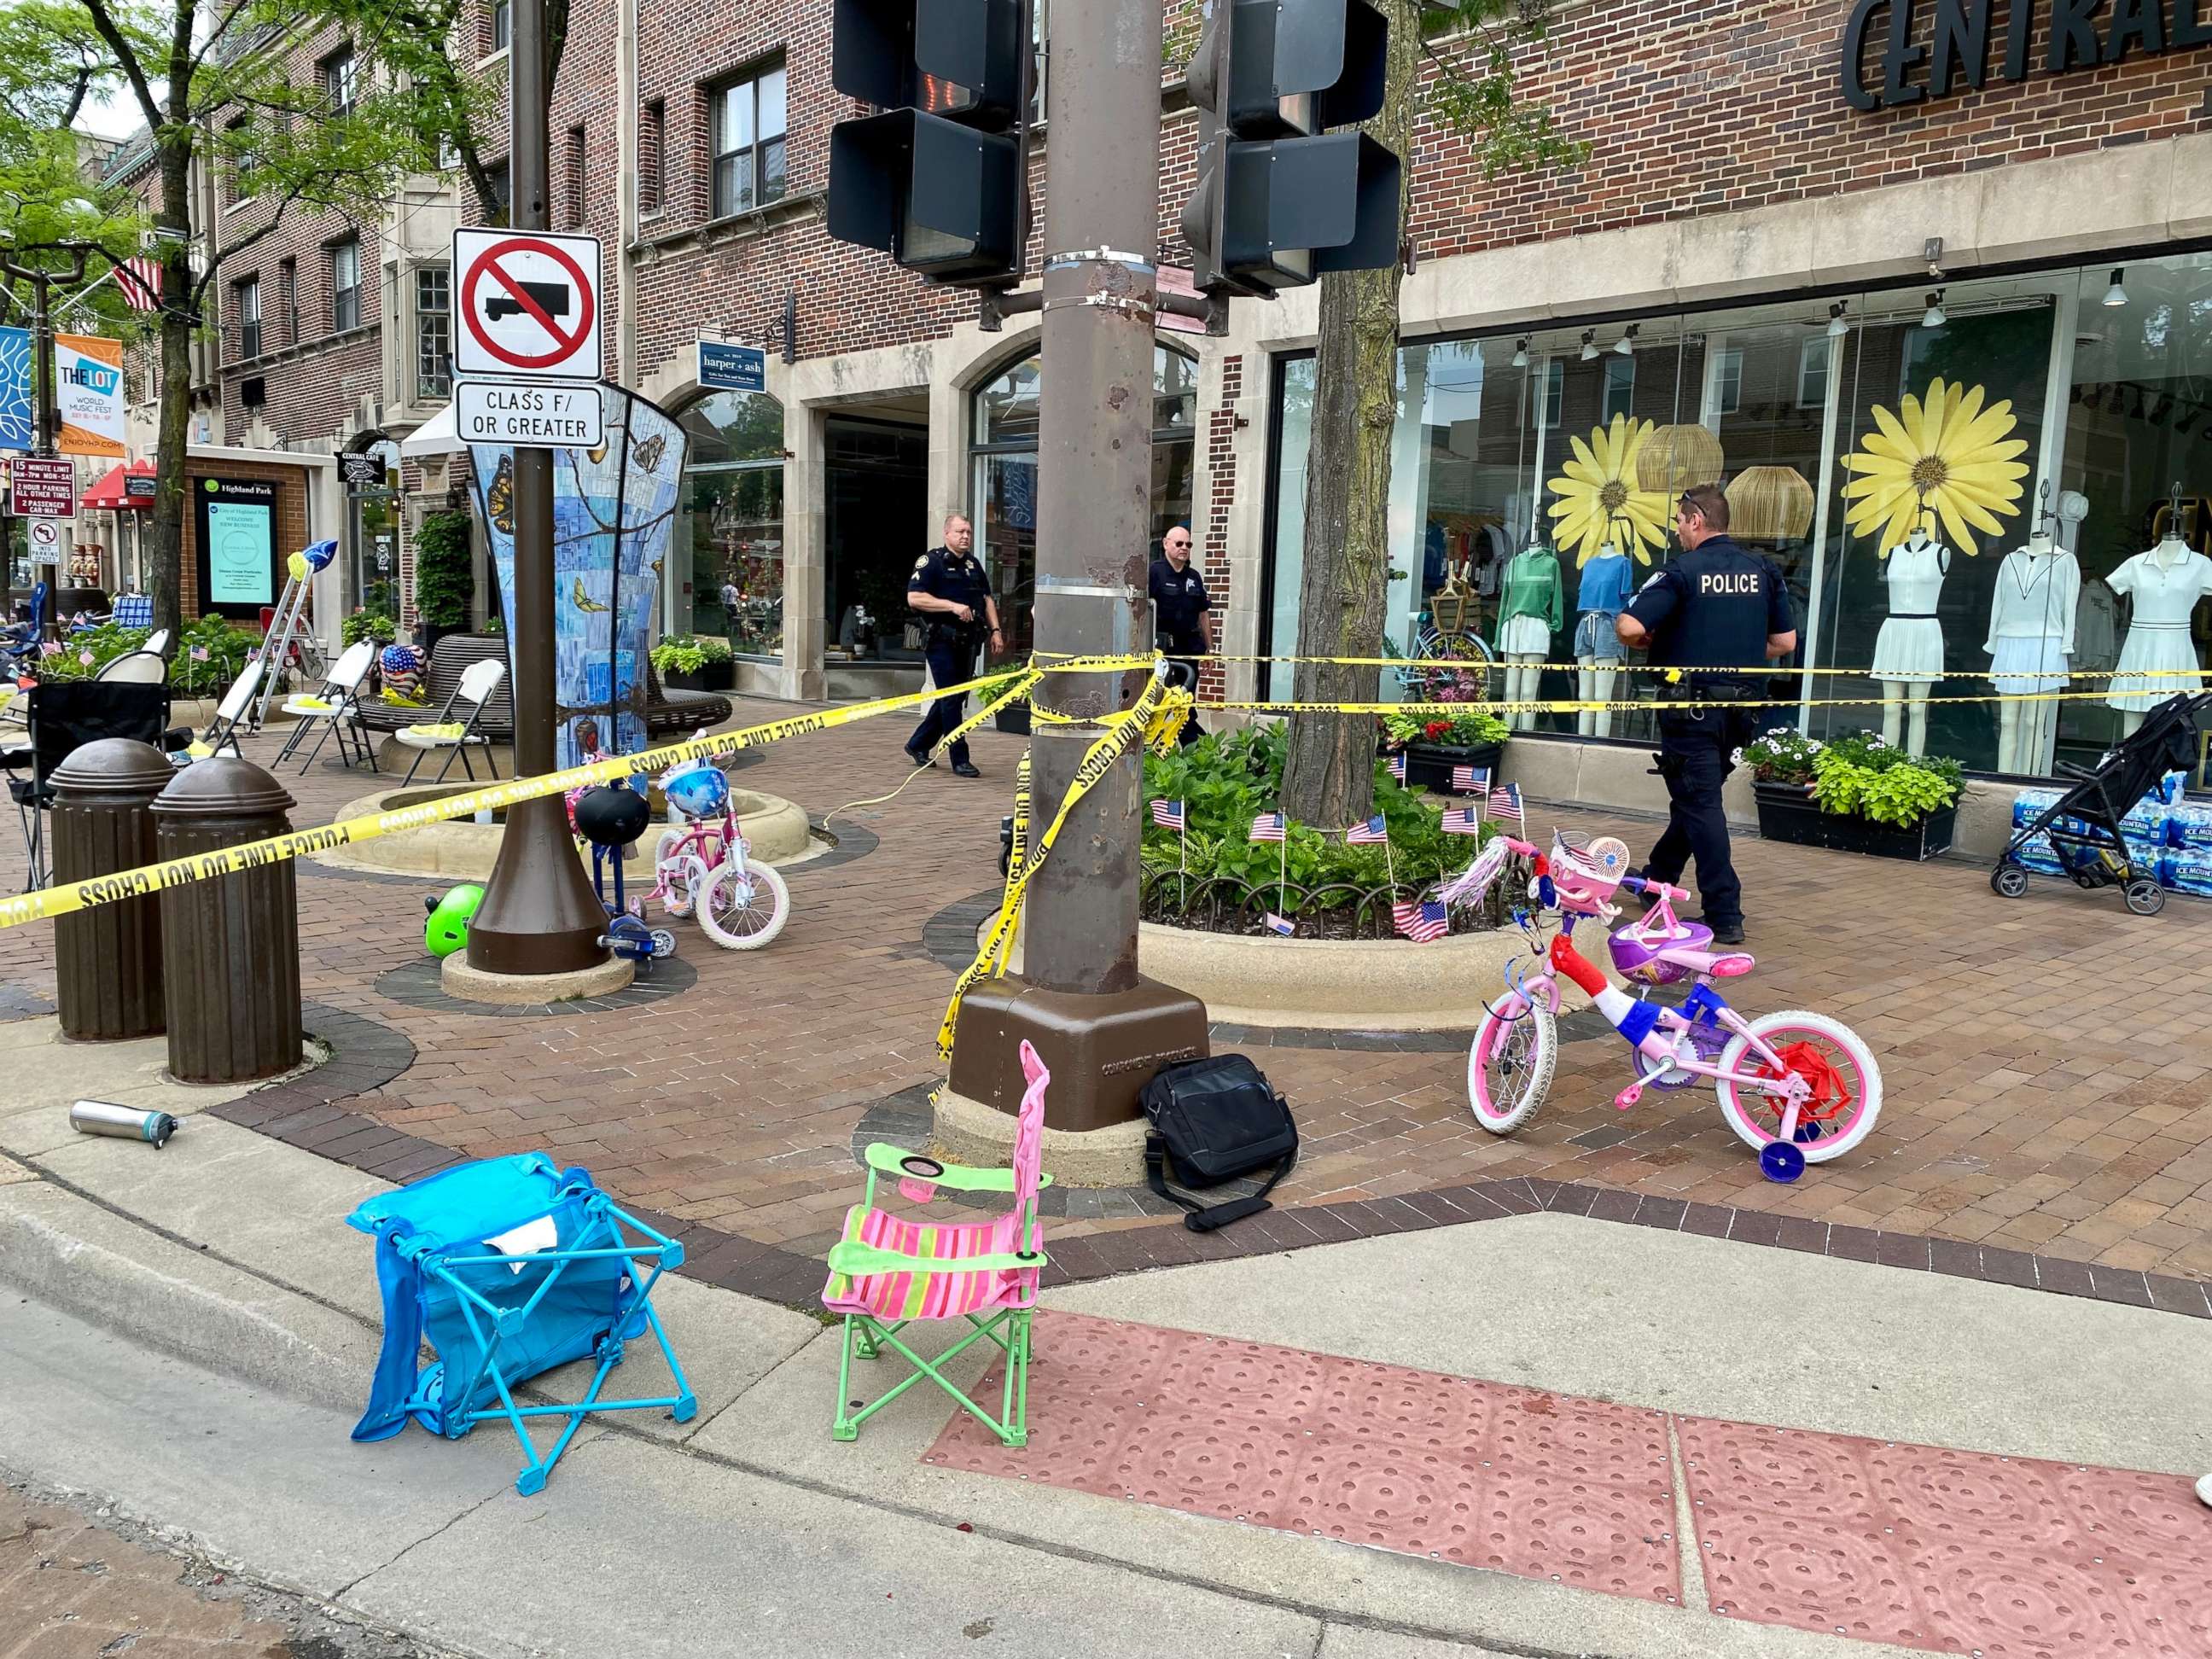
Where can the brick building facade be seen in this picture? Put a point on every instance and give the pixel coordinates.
(1735, 196)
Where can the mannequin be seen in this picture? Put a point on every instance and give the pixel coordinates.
(1908, 653)
(1605, 583)
(2031, 614)
(1532, 610)
(2164, 583)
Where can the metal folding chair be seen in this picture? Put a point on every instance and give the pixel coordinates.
(477, 681)
(221, 734)
(509, 1267)
(64, 716)
(335, 708)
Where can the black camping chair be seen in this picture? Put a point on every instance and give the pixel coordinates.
(65, 715)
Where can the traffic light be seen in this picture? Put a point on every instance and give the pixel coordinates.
(1279, 200)
(938, 181)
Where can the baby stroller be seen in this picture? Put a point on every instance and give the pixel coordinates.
(2083, 824)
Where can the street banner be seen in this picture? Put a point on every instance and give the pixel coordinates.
(614, 506)
(17, 430)
(88, 386)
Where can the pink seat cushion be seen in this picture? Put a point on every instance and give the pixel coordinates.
(943, 1292)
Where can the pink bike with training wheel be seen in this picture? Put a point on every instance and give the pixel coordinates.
(1797, 1088)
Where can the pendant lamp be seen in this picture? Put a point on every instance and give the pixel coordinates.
(1675, 457)
(1769, 504)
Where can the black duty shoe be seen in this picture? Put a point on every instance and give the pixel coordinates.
(1724, 933)
(919, 757)
(964, 769)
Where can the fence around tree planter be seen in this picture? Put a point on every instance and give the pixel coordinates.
(1327, 911)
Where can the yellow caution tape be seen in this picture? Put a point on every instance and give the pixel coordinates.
(1157, 711)
(1764, 670)
(71, 896)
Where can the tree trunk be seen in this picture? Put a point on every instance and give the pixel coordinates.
(164, 549)
(1329, 780)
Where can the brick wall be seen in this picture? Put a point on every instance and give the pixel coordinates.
(1215, 553)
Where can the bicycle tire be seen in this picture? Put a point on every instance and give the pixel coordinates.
(765, 914)
(1746, 1112)
(1521, 1084)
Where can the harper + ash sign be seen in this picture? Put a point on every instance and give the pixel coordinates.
(1888, 59)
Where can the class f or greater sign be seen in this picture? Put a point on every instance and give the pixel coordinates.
(529, 303)
(532, 415)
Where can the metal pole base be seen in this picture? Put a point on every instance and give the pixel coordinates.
(1102, 1049)
(539, 914)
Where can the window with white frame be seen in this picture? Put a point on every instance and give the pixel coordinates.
(1814, 357)
(345, 285)
(249, 317)
(1555, 389)
(1727, 381)
(748, 133)
(434, 333)
(1620, 386)
(502, 24)
(340, 73)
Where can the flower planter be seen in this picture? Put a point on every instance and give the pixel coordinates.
(1014, 718)
(719, 676)
(1429, 765)
(1787, 813)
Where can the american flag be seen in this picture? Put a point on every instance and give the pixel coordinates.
(1470, 779)
(139, 281)
(1462, 821)
(1168, 815)
(1270, 826)
(1280, 925)
(1505, 805)
(1373, 833)
(198, 653)
(84, 657)
(1423, 921)
(1398, 766)
(49, 649)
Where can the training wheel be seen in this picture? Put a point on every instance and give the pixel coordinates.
(2008, 881)
(664, 942)
(1779, 1160)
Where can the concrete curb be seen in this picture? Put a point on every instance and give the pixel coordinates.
(112, 1272)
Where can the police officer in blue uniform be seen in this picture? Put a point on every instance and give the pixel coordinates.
(1182, 613)
(1715, 608)
(950, 588)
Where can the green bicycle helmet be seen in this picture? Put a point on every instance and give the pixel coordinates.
(448, 929)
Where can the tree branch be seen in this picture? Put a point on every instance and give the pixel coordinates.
(104, 24)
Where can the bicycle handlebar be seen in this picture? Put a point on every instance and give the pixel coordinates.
(1646, 885)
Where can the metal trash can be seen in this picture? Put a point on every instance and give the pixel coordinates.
(108, 959)
(230, 945)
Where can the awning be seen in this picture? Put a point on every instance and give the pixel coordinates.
(113, 494)
(435, 436)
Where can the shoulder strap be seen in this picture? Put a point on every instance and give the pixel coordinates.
(1204, 1218)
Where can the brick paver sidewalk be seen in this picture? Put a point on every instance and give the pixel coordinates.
(2048, 1085)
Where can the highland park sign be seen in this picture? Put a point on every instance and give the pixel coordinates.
(1956, 52)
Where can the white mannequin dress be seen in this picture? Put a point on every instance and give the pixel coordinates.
(2158, 634)
(1910, 646)
(2031, 620)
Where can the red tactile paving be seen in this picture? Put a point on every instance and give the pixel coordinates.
(1957, 1552)
(1515, 1479)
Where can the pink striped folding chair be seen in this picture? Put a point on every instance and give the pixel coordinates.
(887, 1272)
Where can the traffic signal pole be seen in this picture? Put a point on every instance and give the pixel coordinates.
(539, 914)
(1102, 1029)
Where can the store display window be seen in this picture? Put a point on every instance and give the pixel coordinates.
(728, 579)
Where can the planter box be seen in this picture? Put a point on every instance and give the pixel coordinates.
(1014, 718)
(708, 676)
(1429, 765)
(1786, 813)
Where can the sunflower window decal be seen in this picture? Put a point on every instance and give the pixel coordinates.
(1598, 499)
(1942, 454)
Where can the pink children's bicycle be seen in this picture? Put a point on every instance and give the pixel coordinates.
(1798, 1088)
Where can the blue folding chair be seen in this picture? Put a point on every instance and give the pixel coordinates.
(509, 1267)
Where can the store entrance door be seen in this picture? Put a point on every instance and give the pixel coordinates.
(877, 524)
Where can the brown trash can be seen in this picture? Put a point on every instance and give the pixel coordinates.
(108, 959)
(230, 946)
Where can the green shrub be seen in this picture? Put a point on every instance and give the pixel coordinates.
(687, 654)
(445, 579)
(225, 648)
(84, 654)
(1465, 730)
(367, 625)
(1226, 779)
(1859, 776)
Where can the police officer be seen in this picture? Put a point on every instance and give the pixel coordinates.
(1713, 609)
(949, 588)
(1182, 611)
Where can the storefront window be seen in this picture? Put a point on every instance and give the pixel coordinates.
(728, 573)
(1006, 478)
(2098, 382)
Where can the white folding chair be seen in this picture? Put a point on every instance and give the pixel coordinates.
(221, 735)
(157, 642)
(135, 668)
(478, 681)
(336, 707)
